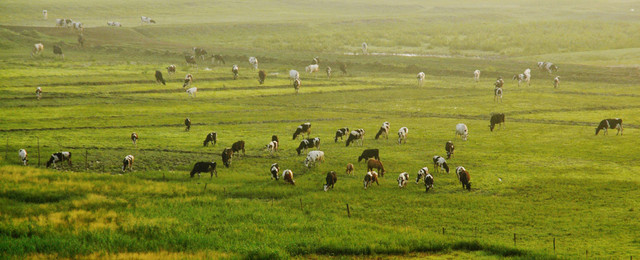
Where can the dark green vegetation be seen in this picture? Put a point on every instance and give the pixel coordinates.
(558, 180)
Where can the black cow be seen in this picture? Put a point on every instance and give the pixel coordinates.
(340, 133)
(187, 122)
(261, 76)
(59, 157)
(615, 123)
(159, 78)
(238, 146)
(211, 138)
(58, 51)
(302, 129)
(449, 148)
(496, 119)
(227, 154)
(369, 153)
(308, 143)
(331, 180)
(204, 167)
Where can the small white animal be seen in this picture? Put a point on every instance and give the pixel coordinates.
(23, 156)
(462, 131)
(192, 92)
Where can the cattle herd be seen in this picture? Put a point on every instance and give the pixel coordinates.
(375, 167)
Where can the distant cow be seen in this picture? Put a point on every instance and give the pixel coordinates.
(37, 49)
(421, 174)
(59, 157)
(343, 68)
(356, 135)
(370, 178)
(328, 70)
(287, 176)
(192, 92)
(171, 69)
(476, 75)
(227, 154)
(449, 148)
(275, 169)
(187, 123)
(547, 66)
(159, 78)
(254, 62)
(218, 59)
(78, 26)
(199, 52)
(440, 163)
(402, 135)
(200, 167)
(127, 163)
(313, 157)
(114, 24)
(308, 143)
(615, 123)
(147, 20)
(384, 130)
(462, 131)
(369, 153)
(81, 40)
(421, 76)
(375, 164)
(302, 129)
(499, 82)
(23, 156)
(261, 76)
(275, 138)
(428, 182)
(497, 95)
(340, 133)
(312, 68)
(45, 14)
(403, 178)
(495, 120)
(191, 60)
(38, 93)
(272, 146)
(58, 51)
(519, 77)
(556, 82)
(296, 85)
(235, 70)
(211, 138)
(349, 168)
(134, 139)
(238, 146)
(331, 180)
(365, 49)
(294, 74)
(463, 177)
(527, 76)
(188, 79)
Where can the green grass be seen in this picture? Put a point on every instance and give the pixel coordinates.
(542, 176)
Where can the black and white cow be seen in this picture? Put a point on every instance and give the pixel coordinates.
(23, 156)
(341, 133)
(384, 130)
(127, 163)
(134, 139)
(331, 179)
(402, 135)
(464, 177)
(200, 167)
(499, 82)
(449, 148)
(188, 79)
(217, 59)
(58, 51)
(147, 20)
(369, 153)
(308, 143)
(421, 174)
(615, 123)
(211, 138)
(159, 78)
(275, 169)
(497, 118)
(428, 182)
(497, 95)
(403, 178)
(302, 129)
(356, 135)
(261, 76)
(199, 52)
(187, 123)
(59, 157)
(440, 163)
(191, 60)
(296, 85)
(171, 69)
(235, 70)
(287, 176)
(227, 154)
(272, 146)
(238, 146)
(547, 66)
(275, 138)
(38, 93)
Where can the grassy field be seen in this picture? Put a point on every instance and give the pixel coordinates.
(543, 176)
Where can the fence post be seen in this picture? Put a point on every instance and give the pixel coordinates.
(348, 211)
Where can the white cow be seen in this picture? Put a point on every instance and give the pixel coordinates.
(294, 74)
(476, 75)
(556, 82)
(402, 134)
(365, 48)
(78, 26)
(462, 131)
(403, 178)
(37, 49)
(312, 68)
(144, 19)
(313, 157)
(192, 92)
(254, 62)
(421, 76)
(114, 24)
(44, 14)
(23, 156)
(527, 76)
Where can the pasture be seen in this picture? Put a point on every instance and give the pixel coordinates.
(542, 177)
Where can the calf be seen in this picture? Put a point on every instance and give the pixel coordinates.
(421, 76)
(369, 153)
(356, 135)
(462, 131)
(302, 129)
(296, 85)
(272, 146)
(127, 163)
(192, 92)
(200, 167)
(340, 133)
(287, 176)
(238, 146)
(227, 154)
(422, 173)
(187, 123)
(313, 157)
(476, 75)
(610, 124)
(384, 130)
(464, 177)
(134, 139)
(441, 164)
(556, 82)
(188, 79)
(496, 119)
(59, 157)
(261, 76)
(497, 95)
(402, 135)
(403, 178)
(369, 178)
(159, 78)
(375, 164)
(275, 169)
(235, 70)
(23, 156)
(428, 182)
(308, 143)
(349, 168)
(449, 148)
(331, 180)
(211, 138)
(38, 93)
(254, 62)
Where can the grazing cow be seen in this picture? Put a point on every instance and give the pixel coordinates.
(384, 129)
(191, 60)
(547, 66)
(343, 68)
(375, 164)
(200, 167)
(496, 119)
(275, 169)
(134, 139)
(296, 85)
(294, 74)
(114, 24)
(37, 49)
(272, 146)
(38, 93)
(235, 69)
(403, 178)
(331, 180)
(81, 40)
(199, 52)
(422, 173)
(328, 70)
(187, 123)
(78, 26)
(127, 163)
(312, 68)
(254, 62)
(369, 153)
(308, 143)
(217, 59)
(464, 177)
(144, 19)
(159, 78)
(45, 14)
(313, 157)
(192, 92)
(59, 157)
(519, 78)
(365, 49)
(462, 131)
(370, 178)
(302, 129)
(402, 135)
(275, 138)
(287, 176)
(238, 146)
(60, 23)
(356, 135)
(340, 133)
(610, 124)
(556, 82)
(421, 76)
(428, 182)
(449, 148)
(476, 75)
(211, 138)
(188, 79)
(23, 156)
(499, 82)
(497, 95)
(316, 60)
(349, 168)
(527, 76)
(261, 76)
(439, 164)
(227, 154)
(171, 69)
(58, 51)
